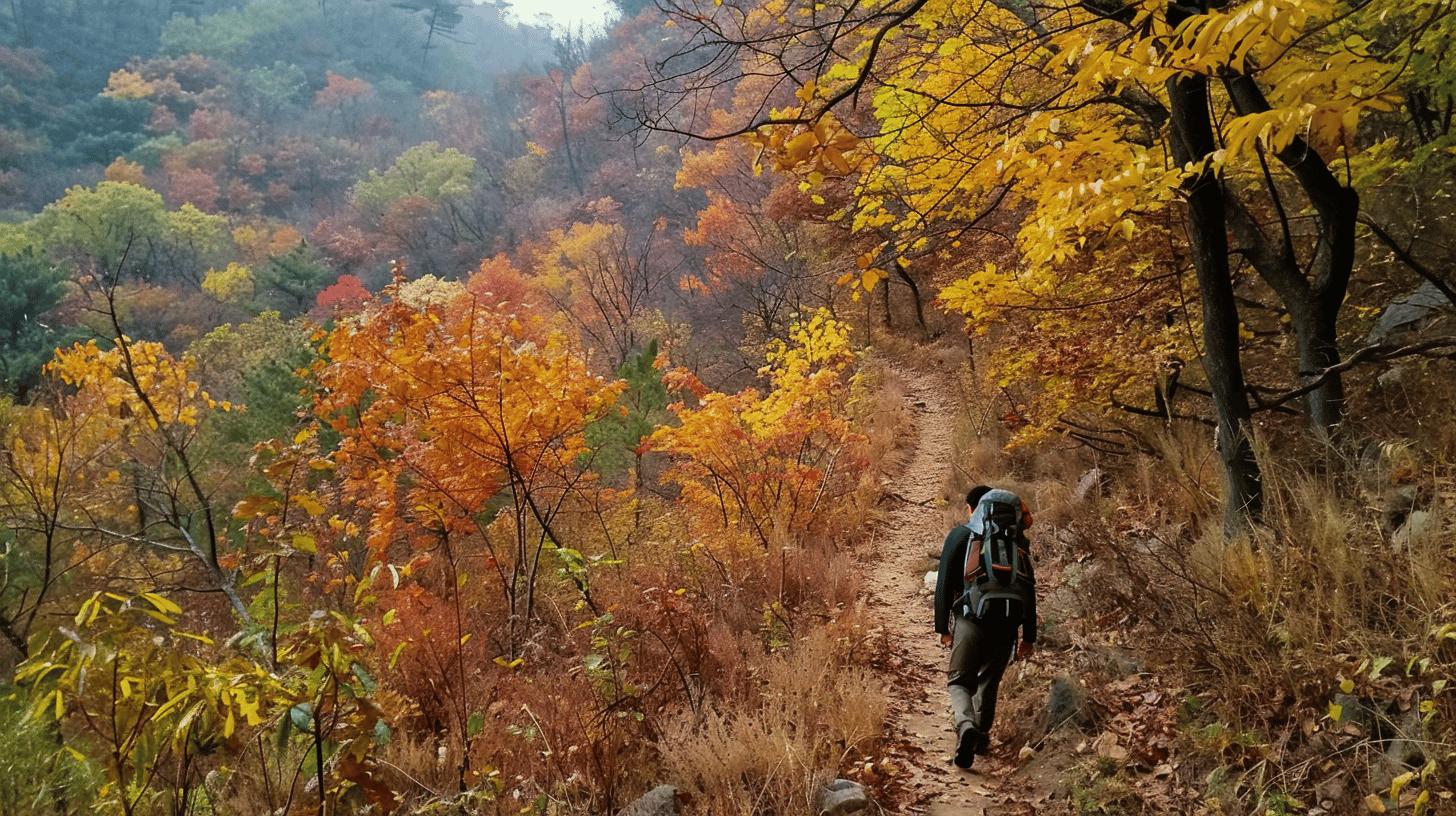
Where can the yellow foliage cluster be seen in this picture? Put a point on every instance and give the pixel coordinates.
(1050, 112)
(125, 171)
(127, 84)
(770, 465)
(232, 284)
(168, 394)
(259, 241)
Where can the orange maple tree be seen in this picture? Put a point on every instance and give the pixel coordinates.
(462, 420)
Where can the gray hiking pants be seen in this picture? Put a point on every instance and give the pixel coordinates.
(979, 653)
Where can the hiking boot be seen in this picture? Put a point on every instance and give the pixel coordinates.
(983, 744)
(966, 745)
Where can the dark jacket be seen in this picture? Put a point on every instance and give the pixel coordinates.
(950, 585)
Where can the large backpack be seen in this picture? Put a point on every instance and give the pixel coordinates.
(998, 561)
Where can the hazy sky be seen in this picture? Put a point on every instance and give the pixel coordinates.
(563, 12)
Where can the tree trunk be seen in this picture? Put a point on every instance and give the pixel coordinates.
(566, 137)
(1314, 300)
(885, 299)
(1318, 349)
(1193, 141)
(914, 295)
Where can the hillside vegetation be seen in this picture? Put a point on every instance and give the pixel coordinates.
(408, 408)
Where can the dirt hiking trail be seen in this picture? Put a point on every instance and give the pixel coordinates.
(922, 734)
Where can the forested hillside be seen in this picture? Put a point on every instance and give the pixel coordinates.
(409, 407)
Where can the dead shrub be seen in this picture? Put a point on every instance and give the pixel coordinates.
(766, 752)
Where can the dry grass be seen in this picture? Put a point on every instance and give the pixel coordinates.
(1264, 627)
(765, 754)
(797, 713)
(881, 413)
(1346, 579)
(1046, 477)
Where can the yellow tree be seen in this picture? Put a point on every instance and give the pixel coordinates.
(118, 459)
(608, 279)
(1087, 121)
(771, 464)
(155, 698)
(53, 461)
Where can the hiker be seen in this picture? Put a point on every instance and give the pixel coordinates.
(984, 592)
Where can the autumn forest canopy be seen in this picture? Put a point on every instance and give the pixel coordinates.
(411, 406)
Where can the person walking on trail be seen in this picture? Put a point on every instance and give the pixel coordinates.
(985, 592)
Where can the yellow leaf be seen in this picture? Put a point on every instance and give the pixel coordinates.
(303, 542)
(1397, 784)
(254, 507)
(1336, 711)
(163, 605)
(249, 708)
(310, 505)
(834, 156)
(797, 149)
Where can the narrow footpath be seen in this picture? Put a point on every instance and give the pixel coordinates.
(922, 735)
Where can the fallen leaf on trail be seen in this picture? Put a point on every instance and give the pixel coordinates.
(1374, 803)
(1107, 747)
(1026, 752)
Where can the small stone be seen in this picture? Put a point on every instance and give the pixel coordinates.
(1404, 748)
(1089, 486)
(1399, 503)
(1331, 789)
(1426, 301)
(1066, 705)
(1418, 525)
(1122, 662)
(660, 801)
(1354, 712)
(841, 798)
